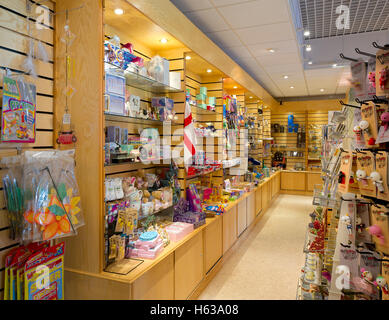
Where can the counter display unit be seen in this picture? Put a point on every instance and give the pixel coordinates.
(196, 256)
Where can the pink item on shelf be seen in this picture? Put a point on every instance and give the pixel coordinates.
(178, 230)
(146, 245)
(147, 254)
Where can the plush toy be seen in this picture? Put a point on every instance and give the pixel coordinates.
(376, 231)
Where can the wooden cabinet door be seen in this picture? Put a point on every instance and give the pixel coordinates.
(242, 216)
(258, 201)
(312, 179)
(188, 267)
(251, 213)
(229, 228)
(213, 236)
(294, 181)
(157, 283)
(265, 196)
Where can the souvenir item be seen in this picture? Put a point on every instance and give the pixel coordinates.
(50, 287)
(52, 198)
(365, 165)
(383, 133)
(359, 76)
(18, 121)
(376, 231)
(377, 180)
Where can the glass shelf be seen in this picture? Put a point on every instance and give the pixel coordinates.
(201, 111)
(120, 118)
(141, 82)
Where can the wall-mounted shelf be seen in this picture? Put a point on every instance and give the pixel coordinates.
(119, 118)
(141, 82)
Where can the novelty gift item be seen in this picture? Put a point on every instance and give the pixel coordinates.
(18, 119)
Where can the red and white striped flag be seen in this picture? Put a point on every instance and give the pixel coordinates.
(189, 136)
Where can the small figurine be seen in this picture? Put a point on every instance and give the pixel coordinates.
(385, 120)
(383, 77)
(361, 176)
(371, 78)
(380, 282)
(364, 125)
(376, 177)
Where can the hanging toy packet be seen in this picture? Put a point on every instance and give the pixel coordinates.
(18, 116)
(53, 209)
(43, 274)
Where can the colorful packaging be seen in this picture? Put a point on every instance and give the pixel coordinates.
(43, 274)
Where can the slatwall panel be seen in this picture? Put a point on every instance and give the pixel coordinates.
(267, 118)
(14, 40)
(289, 139)
(256, 133)
(214, 86)
(315, 121)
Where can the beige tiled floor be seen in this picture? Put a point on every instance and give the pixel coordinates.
(268, 261)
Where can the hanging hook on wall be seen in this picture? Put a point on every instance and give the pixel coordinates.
(385, 47)
(365, 53)
(360, 101)
(348, 105)
(347, 58)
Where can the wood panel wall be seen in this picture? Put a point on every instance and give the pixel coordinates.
(14, 44)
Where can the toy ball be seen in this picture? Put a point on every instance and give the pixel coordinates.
(361, 174)
(375, 176)
(364, 124)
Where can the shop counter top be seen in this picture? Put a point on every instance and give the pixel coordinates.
(148, 263)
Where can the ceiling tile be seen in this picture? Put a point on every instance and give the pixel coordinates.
(226, 38)
(190, 5)
(288, 68)
(208, 20)
(218, 3)
(238, 52)
(266, 33)
(255, 13)
(261, 49)
(279, 59)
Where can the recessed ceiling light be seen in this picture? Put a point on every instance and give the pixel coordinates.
(307, 33)
(309, 62)
(292, 87)
(271, 50)
(235, 87)
(322, 90)
(251, 97)
(286, 77)
(188, 57)
(308, 48)
(334, 65)
(119, 11)
(209, 70)
(163, 40)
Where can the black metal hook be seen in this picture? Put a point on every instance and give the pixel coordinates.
(380, 100)
(365, 53)
(348, 105)
(346, 58)
(377, 46)
(360, 101)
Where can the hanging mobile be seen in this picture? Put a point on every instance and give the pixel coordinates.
(66, 133)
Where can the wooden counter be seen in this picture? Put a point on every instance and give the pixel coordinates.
(299, 182)
(182, 265)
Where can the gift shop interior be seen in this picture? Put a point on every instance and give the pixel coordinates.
(214, 149)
